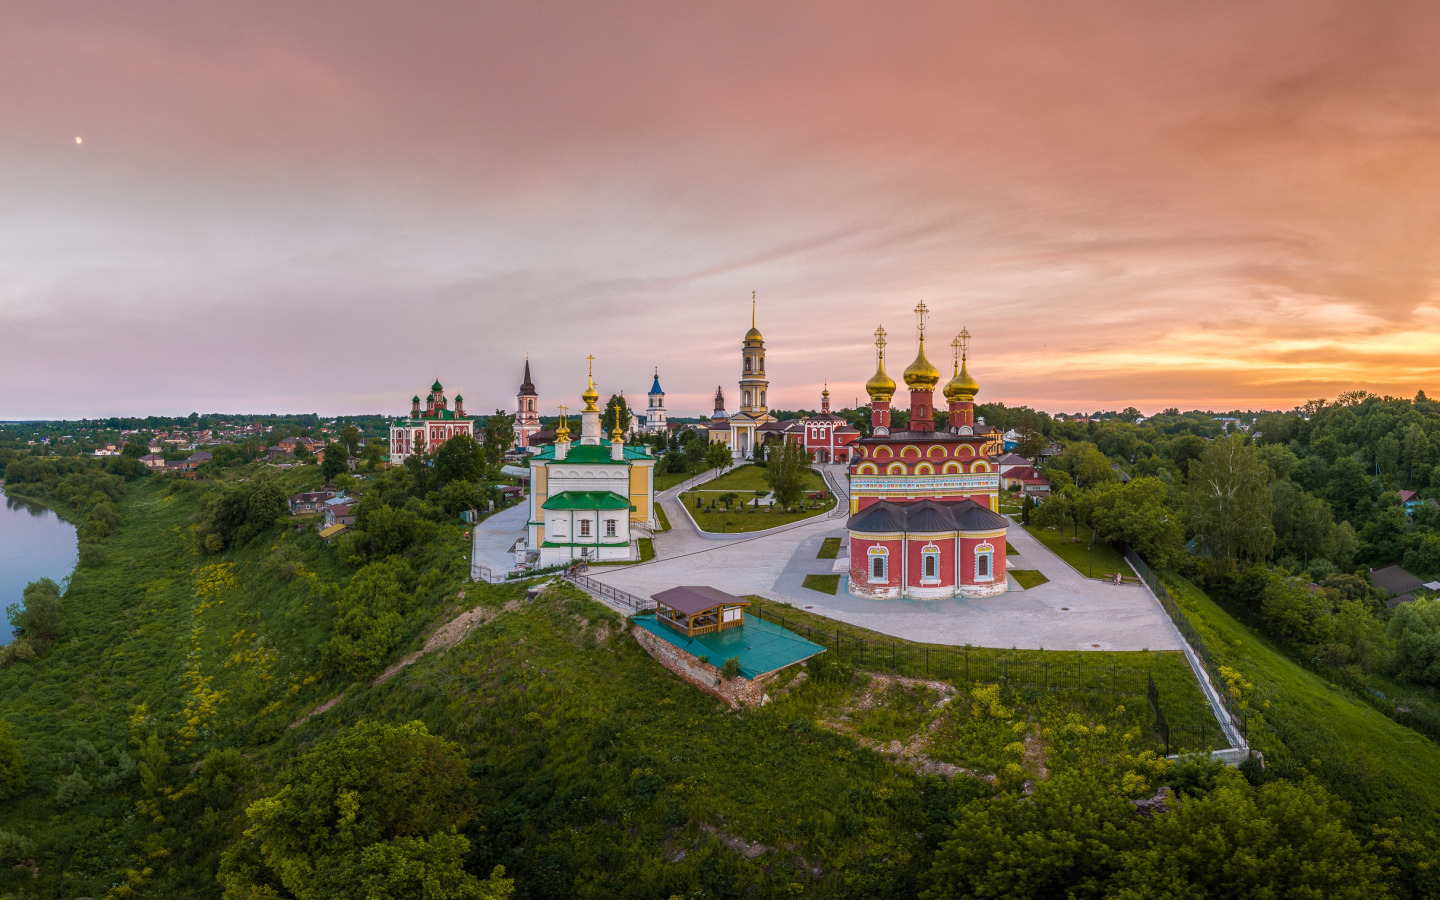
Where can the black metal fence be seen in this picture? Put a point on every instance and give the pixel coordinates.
(615, 595)
(966, 665)
(1182, 622)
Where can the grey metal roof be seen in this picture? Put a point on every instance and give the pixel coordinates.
(878, 518)
(926, 517)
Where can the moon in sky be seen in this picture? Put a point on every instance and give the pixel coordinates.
(78, 140)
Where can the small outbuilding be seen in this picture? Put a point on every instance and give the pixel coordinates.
(697, 609)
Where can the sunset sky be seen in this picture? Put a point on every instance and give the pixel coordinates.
(320, 207)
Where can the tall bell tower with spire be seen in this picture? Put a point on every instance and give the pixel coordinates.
(754, 386)
(527, 410)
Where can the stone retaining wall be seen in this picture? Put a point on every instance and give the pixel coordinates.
(703, 675)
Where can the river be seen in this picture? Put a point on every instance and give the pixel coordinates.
(34, 543)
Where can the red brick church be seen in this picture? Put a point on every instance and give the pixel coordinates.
(924, 522)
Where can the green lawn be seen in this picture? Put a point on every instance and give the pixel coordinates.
(1097, 562)
(1010, 551)
(830, 549)
(1099, 672)
(663, 519)
(1308, 726)
(752, 478)
(746, 518)
(1028, 578)
(826, 584)
(664, 481)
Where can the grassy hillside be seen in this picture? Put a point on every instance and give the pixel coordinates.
(1308, 727)
(185, 682)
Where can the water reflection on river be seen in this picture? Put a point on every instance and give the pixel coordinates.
(34, 543)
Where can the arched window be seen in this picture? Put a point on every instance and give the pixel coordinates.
(930, 564)
(747, 365)
(984, 563)
(879, 565)
(747, 398)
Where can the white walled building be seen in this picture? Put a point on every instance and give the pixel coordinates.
(592, 498)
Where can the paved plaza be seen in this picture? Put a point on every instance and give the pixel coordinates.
(1069, 612)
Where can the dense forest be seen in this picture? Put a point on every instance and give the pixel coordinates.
(220, 704)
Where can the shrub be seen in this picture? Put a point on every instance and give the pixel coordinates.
(39, 619)
(12, 764)
(731, 670)
(92, 556)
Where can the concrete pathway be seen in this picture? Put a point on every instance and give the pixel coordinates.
(1070, 612)
(492, 538)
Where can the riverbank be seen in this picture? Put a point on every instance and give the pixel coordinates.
(36, 542)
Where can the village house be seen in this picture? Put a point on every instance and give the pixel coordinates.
(309, 502)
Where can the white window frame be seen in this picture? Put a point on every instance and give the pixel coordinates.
(929, 554)
(584, 528)
(882, 556)
(610, 528)
(985, 552)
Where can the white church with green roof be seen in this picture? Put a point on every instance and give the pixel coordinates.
(590, 499)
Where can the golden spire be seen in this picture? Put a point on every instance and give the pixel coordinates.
(921, 375)
(880, 387)
(616, 435)
(590, 395)
(962, 388)
(562, 428)
(754, 333)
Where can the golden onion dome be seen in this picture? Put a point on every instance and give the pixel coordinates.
(753, 334)
(921, 375)
(962, 388)
(880, 387)
(616, 435)
(590, 396)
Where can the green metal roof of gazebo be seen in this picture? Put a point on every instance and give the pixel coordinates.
(760, 645)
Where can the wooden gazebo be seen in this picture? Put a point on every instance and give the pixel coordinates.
(696, 609)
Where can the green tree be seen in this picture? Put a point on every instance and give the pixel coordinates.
(372, 813)
(717, 456)
(12, 763)
(1294, 611)
(1086, 465)
(370, 613)
(785, 473)
(336, 461)
(1281, 840)
(1229, 502)
(350, 439)
(1139, 514)
(617, 410)
(458, 459)
(237, 514)
(499, 435)
(1415, 628)
(1032, 442)
(41, 617)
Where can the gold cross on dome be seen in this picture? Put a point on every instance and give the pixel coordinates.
(880, 339)
(955, 347)
(964, 339)
(921, 311)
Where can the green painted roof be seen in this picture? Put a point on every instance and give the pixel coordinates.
(592, 453)
(586, 500)
(760, 645)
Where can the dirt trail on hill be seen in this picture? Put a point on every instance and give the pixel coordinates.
(442, 638)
